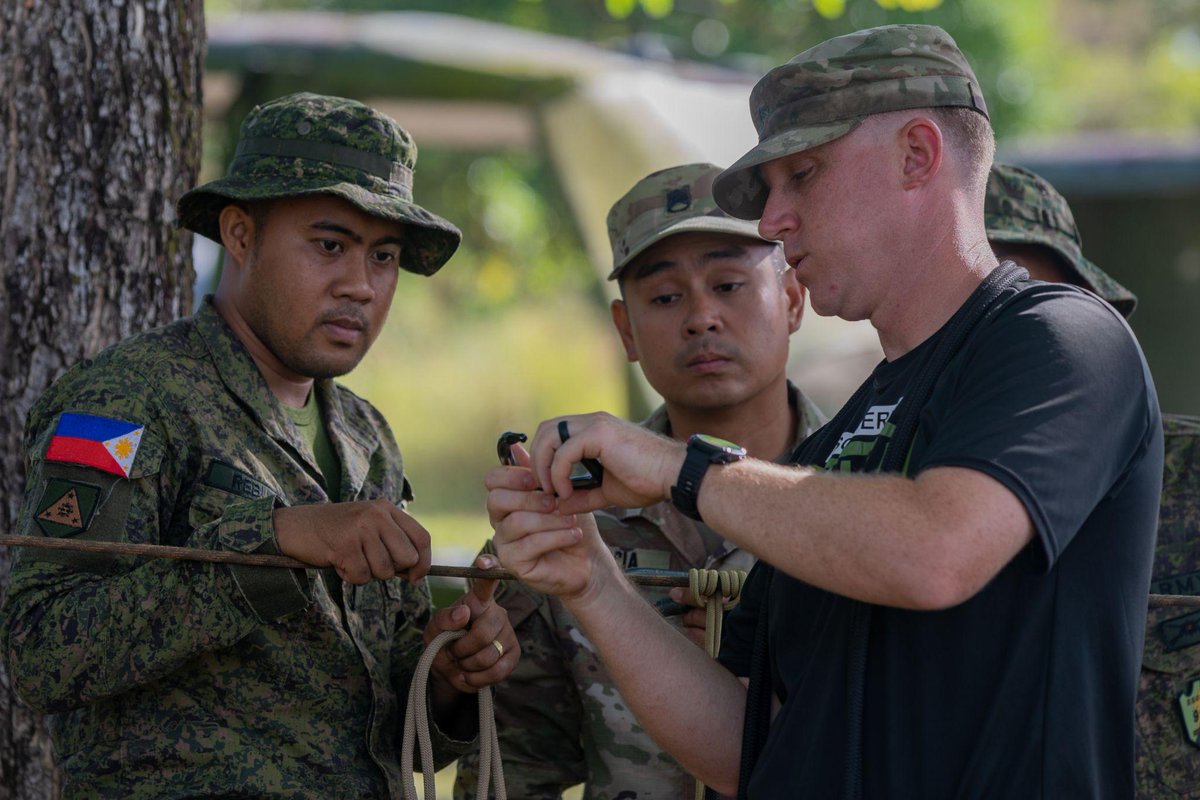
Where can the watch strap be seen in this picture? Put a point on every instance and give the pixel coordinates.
(685, 494)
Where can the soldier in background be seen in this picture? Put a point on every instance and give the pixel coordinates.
(1168, 706)
(225, 431)
(1029, 222)
(706, 310)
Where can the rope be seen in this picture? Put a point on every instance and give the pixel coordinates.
(416, 724)
(265, 560)
(436, 571)
(717, 591)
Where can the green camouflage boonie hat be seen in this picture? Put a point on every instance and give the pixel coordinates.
(667, 202)
(306, 144)
(1023, 208)
(828, 90)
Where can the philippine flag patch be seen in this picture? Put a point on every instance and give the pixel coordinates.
(106, 444)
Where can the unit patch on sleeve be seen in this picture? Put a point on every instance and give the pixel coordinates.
(1180, 632)
(66, 507)
(1189, 706)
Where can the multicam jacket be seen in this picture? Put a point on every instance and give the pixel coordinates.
(1168, 704)
(167, 678)
(561, 720)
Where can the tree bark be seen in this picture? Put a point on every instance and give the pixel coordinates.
(100, 133)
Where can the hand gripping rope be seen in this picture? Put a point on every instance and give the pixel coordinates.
(716, 591)
(416, 723)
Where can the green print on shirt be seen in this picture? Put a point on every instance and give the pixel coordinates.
(861, 453)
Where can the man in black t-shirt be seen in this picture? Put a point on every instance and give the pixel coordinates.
(967, 626)
(1029, 222)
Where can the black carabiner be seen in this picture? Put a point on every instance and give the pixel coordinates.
(505, 444)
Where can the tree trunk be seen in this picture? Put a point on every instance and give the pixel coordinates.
(99, 134)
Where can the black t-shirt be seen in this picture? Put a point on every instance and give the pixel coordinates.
(1026, 690)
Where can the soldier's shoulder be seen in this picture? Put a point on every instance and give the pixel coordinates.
(1181, 459)
(1181, 426)
(811, 415)
(125, 377)
(362, 416)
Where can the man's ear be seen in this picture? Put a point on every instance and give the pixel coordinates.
(922, 147)
(620, 318)
(795, 292)
(237, 233)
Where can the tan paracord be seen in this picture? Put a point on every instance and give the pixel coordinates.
(717, 590)
(416, 725)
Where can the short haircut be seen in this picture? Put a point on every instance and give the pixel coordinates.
(965, 133)
(968, 133)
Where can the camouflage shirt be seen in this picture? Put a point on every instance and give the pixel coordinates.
(1168, 704)
(167, 678)
(561, 720)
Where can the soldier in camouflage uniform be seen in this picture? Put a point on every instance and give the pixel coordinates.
(224, 431)
(1029, 222)
(561, 719)
(1168, 709)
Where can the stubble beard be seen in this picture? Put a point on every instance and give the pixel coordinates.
(301, 357)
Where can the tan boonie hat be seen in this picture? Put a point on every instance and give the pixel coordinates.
(1022, 207)
(667, 202)
(306, 144)
(828, 90)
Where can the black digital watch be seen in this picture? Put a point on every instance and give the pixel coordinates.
(702, 452)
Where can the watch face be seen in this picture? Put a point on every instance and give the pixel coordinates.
(723, 450)
(717, 442)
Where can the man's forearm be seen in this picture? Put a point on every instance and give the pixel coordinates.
(688, 703)
(926, 543)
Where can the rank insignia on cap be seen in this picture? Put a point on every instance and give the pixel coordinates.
(679, 199)
(1189, 705)
(66, 507)
(90, 441)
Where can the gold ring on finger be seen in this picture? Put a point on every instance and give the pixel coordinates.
(499, 647)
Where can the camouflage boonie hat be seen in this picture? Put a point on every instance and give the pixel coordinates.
(306, 144)
(667, 202)
(1023, 208)
(828, 90)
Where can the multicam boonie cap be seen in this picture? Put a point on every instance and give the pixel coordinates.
(1022, 207)
(305, 144)
(664, 203)
(828, 90)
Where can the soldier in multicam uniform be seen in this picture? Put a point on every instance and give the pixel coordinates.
(224, 431)
(707, 307)
(1029, 222)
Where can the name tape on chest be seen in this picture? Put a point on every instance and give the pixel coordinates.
(229, 478)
